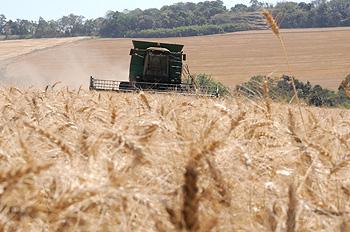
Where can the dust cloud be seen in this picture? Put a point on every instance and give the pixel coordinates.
(71, 65)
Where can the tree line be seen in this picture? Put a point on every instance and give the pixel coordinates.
(182, 19)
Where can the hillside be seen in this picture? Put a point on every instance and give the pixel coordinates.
(321, 56)
(181, 19)
(86, 161)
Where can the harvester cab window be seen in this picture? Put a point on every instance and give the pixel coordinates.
(156, 65)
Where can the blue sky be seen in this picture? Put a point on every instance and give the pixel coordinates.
(32, 9)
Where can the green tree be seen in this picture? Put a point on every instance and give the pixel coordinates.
(47, 29)
(109, 26)
(239, 8)
(25, 28)
(321, 14)
(340, 12)
(292, 14)
(10, 28)
(184, 19)
(40, 29)
(256, 5)
(71, 25)
(2, 23)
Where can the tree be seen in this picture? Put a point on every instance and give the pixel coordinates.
(71, 25)
(293, 15)
(110, 26)
(211, 8)
(10, 28)
(239, 8)
(321, 14)
(340, 12)
(256, 5)
(41, 29)
(2, 23)
(305, 6)
(183, 19)
(25, 27)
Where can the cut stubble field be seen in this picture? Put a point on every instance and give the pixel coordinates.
(321, 56)
(14, 48)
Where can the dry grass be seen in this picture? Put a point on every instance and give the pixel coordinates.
(85, 161)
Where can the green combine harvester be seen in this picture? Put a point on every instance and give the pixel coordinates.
(154, 67)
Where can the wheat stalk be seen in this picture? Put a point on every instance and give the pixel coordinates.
(220, 183)
(267, 99)
(113, 115)
(84, 145)
(145, 101)
(345, 226)
(174, 218)
(271, 21)
(291, 222)
(54, 139)
(340, 166)
(55, 84)
(11, 177)
(236, 121)
(190, 205)
(274, 27)
(272, 220)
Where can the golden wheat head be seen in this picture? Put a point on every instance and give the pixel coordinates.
(271, 22)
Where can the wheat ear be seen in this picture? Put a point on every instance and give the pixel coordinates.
(276, 30)
(51, 137)
(191, 200)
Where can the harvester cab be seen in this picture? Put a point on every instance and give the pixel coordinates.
(155, 67)
(156, 63)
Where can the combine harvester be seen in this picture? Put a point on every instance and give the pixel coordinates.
(155, 67)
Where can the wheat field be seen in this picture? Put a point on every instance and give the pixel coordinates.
(73, 160)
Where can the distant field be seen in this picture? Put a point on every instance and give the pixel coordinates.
(321, 56)
(14, 48)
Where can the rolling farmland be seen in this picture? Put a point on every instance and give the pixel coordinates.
(321, 56)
